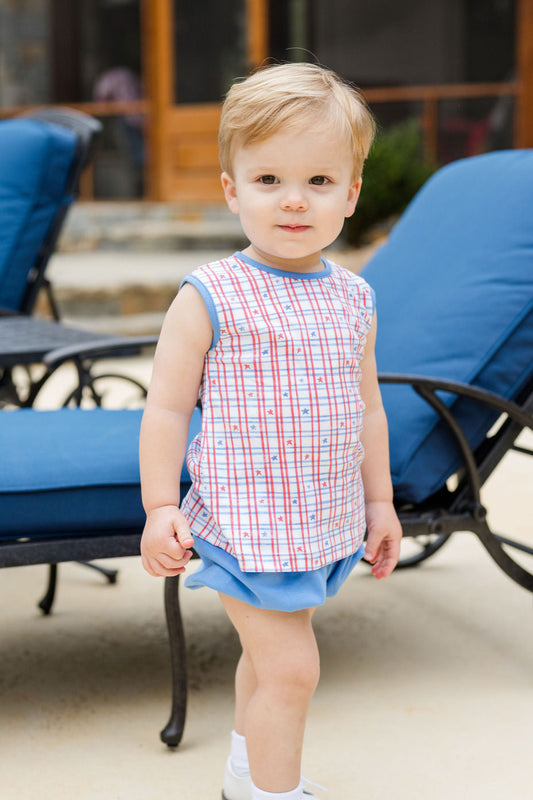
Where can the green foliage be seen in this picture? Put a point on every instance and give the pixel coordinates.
(394, 171)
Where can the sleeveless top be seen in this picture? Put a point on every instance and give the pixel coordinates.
(275, 469)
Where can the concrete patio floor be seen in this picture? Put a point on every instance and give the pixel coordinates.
(426, 688)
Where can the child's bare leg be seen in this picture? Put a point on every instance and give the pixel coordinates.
(280, 649)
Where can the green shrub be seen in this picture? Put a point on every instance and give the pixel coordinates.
(394, 171)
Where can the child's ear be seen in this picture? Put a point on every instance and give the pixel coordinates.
(353, 197)
(230, 192)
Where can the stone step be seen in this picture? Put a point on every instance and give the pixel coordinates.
(152, 227)
(123, 292)
(128, 292)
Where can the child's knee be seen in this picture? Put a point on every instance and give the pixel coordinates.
(296, 675)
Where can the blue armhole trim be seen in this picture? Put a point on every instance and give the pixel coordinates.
(210, 305)
(373, 296)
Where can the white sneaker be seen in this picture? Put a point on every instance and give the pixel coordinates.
(236, 788)
(310, 795)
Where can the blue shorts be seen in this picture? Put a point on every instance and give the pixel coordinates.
(277, 591)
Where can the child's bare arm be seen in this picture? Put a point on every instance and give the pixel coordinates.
(384, 530)
(178, 366)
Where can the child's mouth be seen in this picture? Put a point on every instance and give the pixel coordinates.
(294, 228)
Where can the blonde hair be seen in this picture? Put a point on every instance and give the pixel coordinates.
(287, 95)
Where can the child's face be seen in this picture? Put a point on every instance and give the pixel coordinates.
(292, 192)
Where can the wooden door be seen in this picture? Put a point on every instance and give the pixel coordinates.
(193, 51)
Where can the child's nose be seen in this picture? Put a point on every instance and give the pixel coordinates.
(294, 199)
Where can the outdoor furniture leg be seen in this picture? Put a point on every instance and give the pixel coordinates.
(173, 731)
(48, 600)
(494, 547)
(110, 574)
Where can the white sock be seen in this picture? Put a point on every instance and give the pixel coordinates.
(295, 794)
(239, 756)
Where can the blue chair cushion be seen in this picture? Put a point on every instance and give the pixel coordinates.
(71, 471)
(454, 291)
(35, 162)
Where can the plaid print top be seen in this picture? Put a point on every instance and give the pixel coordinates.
(276, 467)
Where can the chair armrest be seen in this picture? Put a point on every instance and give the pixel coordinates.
(114, 347)
(427, 386)
(491, 399)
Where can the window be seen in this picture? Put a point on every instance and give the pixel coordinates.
(210, 48)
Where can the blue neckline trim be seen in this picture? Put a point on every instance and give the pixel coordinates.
(284, 273)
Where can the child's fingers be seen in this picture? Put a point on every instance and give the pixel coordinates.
(165, 543)
(372, 546)
(183, 532)
(386, 558)
(177, 560)
(383, 552)
(170, 560)
(157, 568)
(383, 567)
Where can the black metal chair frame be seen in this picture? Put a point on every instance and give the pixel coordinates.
(449, 511)
(83, 358)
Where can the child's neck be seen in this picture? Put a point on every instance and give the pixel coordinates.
(311, 263)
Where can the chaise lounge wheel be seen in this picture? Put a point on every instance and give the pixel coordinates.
(416, 549)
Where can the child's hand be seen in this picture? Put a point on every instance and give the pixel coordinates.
(165, 542)
(384, 536)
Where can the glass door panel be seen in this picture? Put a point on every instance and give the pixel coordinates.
(210, 45)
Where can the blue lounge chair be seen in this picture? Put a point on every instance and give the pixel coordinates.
(454, 286)
(42, 157)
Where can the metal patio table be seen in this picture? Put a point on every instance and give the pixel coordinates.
(25, 341)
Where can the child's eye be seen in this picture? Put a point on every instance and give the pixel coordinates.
(268, 180)
(319, 180)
